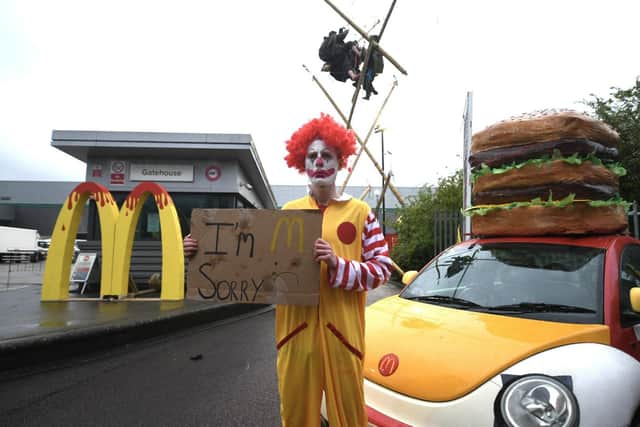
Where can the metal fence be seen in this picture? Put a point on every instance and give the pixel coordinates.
(633, 220)
(21, 261)
(446, 229)
(15, 267)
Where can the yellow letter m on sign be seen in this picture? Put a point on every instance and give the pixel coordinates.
(290, 223)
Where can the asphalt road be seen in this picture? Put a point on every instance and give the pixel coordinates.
(219, 374)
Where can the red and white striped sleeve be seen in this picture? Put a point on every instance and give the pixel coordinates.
(375, 267)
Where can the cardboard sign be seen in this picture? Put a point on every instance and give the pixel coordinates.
(255, 256)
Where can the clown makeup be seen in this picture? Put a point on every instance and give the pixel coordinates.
(321, 163)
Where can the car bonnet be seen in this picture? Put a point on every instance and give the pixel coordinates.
(438, 354)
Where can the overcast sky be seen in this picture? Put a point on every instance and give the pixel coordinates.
(236, 67)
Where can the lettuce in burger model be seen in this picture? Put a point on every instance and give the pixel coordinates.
(551, 172)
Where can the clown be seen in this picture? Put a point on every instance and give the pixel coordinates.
(321, 348)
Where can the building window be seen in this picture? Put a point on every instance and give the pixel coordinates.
(242, 203)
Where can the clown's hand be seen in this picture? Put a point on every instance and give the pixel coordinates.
(322, 251)
(190, 246)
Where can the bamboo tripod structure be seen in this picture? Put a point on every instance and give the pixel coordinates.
(372, 45)
(363, 144)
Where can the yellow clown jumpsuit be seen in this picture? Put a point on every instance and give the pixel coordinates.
(321, 348)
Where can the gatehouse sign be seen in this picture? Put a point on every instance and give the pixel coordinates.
(154, 172)
(255, 256)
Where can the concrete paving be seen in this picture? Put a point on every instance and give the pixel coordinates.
(32, 331)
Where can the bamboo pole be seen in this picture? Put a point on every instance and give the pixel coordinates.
(384, 190)
(366, 140)
(397, 267)
(354, 98)
(366, 150)
(365, 192)
(375, 24)
(366, 36)
(365, 64)
(384, 25)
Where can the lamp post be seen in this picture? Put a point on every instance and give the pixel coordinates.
(380, 130)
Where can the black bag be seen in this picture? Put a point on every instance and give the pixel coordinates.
(327, 48)
(332, 45)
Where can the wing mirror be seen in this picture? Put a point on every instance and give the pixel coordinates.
(634, 297)
(410, 275)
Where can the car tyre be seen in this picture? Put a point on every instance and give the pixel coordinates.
(636, 419)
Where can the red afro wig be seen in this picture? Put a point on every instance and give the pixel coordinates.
(325, 128)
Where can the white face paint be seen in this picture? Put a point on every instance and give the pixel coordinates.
(321, 163)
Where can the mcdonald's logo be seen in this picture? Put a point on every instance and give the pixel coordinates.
(388, 364)
(117, 228)
(291, 222)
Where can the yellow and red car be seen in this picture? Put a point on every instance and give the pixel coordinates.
(511, 332)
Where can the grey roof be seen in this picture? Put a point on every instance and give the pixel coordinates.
(35, 193)
(149, 145)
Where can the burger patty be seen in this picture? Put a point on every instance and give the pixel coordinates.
(556, 171)
(577, 218)
(556, 191)
(519, 153)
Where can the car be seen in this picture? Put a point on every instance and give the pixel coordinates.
(44, 244)
(510, 331)
(43, 248)
(76, 249)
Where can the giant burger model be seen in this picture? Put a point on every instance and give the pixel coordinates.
(547, 173)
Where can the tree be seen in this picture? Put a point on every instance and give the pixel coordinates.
(622, 112)
(415, 221)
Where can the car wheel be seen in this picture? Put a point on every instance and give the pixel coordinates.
(636, 419)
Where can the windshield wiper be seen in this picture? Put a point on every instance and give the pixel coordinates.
(445, 300)
(540, 307)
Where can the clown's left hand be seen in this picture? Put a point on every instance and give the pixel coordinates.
(322, 251)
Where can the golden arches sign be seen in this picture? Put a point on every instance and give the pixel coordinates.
(118, 229)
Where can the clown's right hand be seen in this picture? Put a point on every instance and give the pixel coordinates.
(190, 246)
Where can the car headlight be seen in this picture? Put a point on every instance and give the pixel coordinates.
(538, 401)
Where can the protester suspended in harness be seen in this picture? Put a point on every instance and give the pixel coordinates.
(341, 59)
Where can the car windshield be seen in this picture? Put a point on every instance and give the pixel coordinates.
(551, 282)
